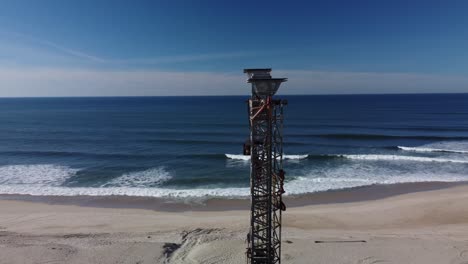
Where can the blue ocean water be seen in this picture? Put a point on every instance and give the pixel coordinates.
(177, 146)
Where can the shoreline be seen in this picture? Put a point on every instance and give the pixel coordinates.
(339, 196)
(420, 227)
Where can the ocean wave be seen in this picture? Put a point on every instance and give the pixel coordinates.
(35, 175)
(97, 155)
(247, 157)
(371, 157)
(237, 156)
(51, 180)
(300, 185)
(120, 156)
(379, 136)
(426, 149)
(124, 191)
(193, 141)
(310, 185)
(147, 178)
(75, 154)
(374, 157)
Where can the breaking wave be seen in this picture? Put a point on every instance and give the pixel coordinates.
(460, 147)
(35, 175)
(400, 158)
(299, 185)
(247, 157)
(371, 157)
(52, 180)
(422, 149)
(379, 136)
(148, 178)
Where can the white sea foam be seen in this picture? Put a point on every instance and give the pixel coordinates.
(124, 191)
(401, 158)
(36, 175)
(296, 157)
(310, 185)
(300, 185)
(427, 149)
(237, 157)
(46, 180)
(247, 157)
(146, 178)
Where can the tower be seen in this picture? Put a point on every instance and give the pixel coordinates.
(266, 169)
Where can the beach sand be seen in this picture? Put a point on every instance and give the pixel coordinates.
(420, 227)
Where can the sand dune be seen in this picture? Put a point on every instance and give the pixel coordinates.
(423, 227)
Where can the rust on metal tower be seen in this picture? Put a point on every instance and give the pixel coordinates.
(265, 147)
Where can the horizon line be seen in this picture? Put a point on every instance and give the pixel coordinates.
(229, 95)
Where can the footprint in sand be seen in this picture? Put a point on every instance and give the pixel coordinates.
(464, 254)
(370, 260)
(462, 258)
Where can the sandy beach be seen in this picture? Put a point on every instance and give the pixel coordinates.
(226, 132)
(420, 227)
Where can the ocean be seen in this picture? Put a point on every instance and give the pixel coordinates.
(184, 147)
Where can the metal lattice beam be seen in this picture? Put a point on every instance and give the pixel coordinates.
(267, 175)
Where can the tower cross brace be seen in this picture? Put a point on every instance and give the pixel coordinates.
(265, 147)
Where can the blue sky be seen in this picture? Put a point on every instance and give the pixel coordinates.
(113, 48)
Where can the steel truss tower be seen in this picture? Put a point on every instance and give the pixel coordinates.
(266, 175)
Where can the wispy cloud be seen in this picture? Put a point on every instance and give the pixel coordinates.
(98, 76)
(71, 82)
(72, 52)
(183, 58)
(69, 51)
(35, 44)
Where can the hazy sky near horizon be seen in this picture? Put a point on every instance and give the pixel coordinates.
(125, 48)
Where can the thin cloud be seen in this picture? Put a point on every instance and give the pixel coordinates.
(72, 52)
(27, 40)
(184, 58)
(69, 51)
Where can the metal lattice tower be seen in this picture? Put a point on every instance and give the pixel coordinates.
(266, 173)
